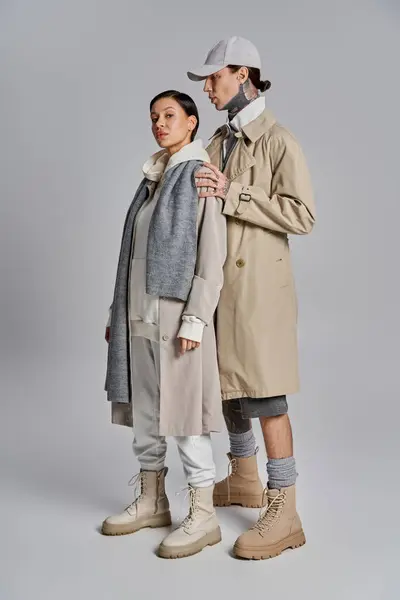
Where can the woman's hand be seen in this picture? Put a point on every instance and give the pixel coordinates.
(215, 180)
(107, 336)
(187, 345)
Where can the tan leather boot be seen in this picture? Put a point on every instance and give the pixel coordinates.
(278, 528)
(198, 530)
(149, 509)
(242, 486)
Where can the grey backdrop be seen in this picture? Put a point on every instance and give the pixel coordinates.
(76, 79)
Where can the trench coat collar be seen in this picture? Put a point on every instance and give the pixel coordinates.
(253, 130)
(241, 158)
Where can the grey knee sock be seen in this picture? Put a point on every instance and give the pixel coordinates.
(281, 472)
(242, 445)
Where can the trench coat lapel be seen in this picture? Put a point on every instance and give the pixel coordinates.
(240, 160)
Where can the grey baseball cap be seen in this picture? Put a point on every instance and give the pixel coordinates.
(232, 51)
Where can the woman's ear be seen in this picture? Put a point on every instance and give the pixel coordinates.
(192, 122)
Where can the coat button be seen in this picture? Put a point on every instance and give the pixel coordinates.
(237, 222)
(165, 338)
(240, 263)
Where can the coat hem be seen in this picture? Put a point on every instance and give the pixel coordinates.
(122, 414)
(235, 394)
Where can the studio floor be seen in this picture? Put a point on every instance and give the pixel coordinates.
(65, 469)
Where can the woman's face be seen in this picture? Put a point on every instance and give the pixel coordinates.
(171, 126)
(222, 86)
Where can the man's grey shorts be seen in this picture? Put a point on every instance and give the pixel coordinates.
(253, 408)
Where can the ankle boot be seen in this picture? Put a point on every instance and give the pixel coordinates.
(278, 528)
(242, 486)
(149, 509)
(198, 530)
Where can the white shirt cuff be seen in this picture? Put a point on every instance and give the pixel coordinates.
(192, 328)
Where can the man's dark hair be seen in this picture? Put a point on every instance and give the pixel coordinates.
(254, 76)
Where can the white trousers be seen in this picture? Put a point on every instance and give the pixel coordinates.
(149, 447)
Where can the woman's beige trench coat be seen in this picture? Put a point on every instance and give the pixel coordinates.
(270, 197)
(190, 393)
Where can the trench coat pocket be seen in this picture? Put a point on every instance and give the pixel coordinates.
(283, 272)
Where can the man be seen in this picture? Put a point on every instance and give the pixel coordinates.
(259, 171)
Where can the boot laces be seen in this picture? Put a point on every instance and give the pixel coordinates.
(138, 482)
(271, 513)
(232, 469)
(188, 520)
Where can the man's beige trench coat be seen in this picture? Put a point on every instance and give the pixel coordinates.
(190, 394)
(270, 197)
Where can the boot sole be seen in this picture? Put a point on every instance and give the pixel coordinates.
(163, 520)
(293, 541)
(210, 539)
(245, 501)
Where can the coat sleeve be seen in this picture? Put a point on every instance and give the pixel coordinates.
(288, 207)
(211, 255)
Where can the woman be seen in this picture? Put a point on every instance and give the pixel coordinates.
(162, 359)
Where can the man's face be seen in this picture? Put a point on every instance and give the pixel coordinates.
(221, 87)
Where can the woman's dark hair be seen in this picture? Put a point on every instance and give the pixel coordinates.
(254, 76)
(185, 102)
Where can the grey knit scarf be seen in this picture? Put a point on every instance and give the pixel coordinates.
(171, 260)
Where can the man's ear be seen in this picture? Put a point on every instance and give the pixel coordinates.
(243, 74)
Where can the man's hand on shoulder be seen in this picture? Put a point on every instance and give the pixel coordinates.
(211, 177)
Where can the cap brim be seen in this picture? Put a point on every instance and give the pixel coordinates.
(203, 72)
